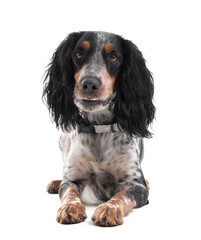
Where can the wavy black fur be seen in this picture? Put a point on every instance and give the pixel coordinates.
(59, 84)
(133, 109)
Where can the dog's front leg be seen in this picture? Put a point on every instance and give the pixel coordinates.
(111, 213)
(72, 209)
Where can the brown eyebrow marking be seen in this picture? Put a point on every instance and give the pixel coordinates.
(109, 47)
(86, 45)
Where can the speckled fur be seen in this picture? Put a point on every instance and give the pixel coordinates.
(106, 163)
(99, 78)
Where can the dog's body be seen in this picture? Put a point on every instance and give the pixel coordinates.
(100, 92)
(106, 163)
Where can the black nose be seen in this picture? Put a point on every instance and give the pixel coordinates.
(90, 85)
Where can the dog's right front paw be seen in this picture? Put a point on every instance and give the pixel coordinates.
(70, 213)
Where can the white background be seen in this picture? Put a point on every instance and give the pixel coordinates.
(168, 34)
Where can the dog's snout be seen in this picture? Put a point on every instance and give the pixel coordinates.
(90, 85)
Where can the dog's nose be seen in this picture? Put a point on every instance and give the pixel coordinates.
(90, 85)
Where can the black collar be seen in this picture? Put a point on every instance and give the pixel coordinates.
(98, 128)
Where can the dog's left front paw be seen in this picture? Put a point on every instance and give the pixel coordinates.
(72, 212)
(107, 215)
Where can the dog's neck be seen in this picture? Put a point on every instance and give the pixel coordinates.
(101, 117)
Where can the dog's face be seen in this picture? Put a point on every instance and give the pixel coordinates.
(97, 59)
(91, 71)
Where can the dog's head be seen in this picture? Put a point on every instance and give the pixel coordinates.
(90, 71)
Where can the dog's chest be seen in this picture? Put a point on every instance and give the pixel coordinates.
(105, 146)
(101, 146)
(98, 153)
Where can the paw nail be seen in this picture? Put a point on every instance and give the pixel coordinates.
(118, 222)
(107, 210)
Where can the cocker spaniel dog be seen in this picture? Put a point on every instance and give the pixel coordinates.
(100, 92)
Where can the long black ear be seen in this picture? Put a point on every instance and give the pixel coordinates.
(134, 110)
(59, 84)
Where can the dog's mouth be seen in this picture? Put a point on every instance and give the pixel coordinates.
(94, 101)
(92, 104)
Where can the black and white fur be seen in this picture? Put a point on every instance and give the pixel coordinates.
(100, 165)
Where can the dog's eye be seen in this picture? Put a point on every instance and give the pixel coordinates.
(79, 55)
(113, 58)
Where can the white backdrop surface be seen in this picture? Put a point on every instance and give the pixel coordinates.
(168, 34)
